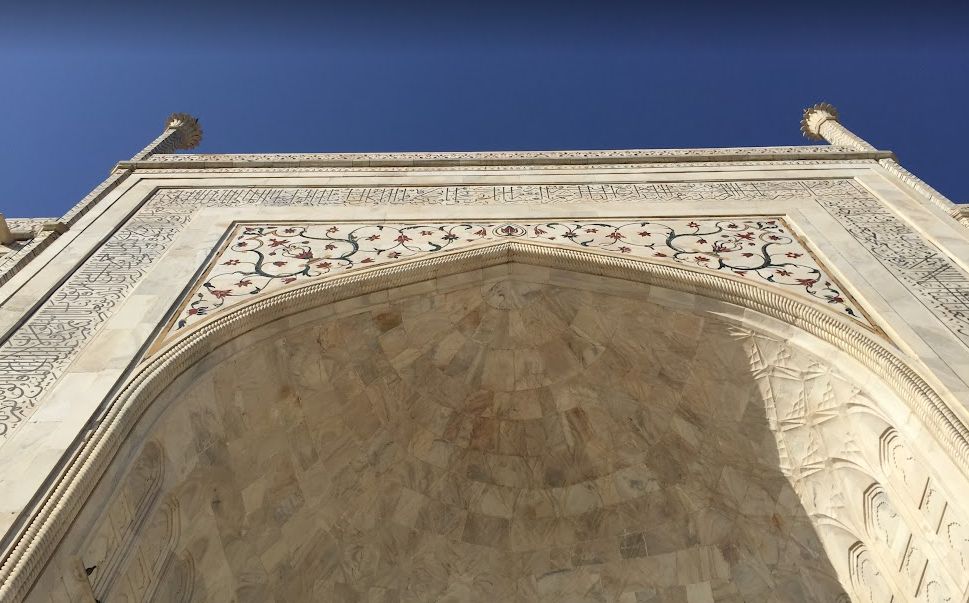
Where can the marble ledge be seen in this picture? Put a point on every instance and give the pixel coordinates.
(524, 158)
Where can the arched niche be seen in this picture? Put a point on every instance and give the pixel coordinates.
(515, 422)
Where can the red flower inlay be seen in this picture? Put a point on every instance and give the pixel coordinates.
(221, 293)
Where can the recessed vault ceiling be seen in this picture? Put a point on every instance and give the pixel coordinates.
(504, 441)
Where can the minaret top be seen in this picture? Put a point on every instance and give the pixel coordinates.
(815, 116)
(189, 130)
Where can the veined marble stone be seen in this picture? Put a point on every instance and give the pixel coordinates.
(636, 376)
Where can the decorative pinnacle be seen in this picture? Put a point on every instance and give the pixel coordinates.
(814, 117)
(189, 130)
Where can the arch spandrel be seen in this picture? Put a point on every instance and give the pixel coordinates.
(258, 259)
(687, 298)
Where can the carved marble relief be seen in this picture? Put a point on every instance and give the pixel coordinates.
(835, 463)
(37, 354)
(928, 273)
(116, 538)
(522, 156)
(941, 522)
(869, 584)
(262, 258)
(130, 554)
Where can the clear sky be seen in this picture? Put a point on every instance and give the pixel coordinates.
(86, 85)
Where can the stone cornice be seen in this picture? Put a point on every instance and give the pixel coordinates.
(524, 158)
(961, 214)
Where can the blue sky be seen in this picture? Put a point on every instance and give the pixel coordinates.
(85, 85)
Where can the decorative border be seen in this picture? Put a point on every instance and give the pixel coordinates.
(276, 167)
(941, 286)
(38, 353)
(518, 157)
(50, 519)
(261, 258)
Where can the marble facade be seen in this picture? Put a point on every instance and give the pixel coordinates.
(673, 375)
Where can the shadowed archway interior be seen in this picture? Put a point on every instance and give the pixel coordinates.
(506, 439)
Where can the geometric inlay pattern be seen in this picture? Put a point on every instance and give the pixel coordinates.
(265, 257)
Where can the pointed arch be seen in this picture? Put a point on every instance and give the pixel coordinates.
(52, 517)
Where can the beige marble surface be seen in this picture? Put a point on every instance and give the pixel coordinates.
(518, 433)
(27, 459)
(504, 441)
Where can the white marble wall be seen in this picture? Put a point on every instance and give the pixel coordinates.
(519, 434)
(908, 319)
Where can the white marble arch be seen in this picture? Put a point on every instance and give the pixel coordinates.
(852, 421)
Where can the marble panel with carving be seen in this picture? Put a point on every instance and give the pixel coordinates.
(34, 356)
(261, 258)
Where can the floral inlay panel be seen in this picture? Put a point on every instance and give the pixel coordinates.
(39, 352)
(266, 257)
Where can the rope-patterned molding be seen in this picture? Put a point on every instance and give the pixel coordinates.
(50, 519)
